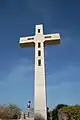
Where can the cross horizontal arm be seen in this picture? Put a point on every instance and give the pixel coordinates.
(27, 41)
(50, 39)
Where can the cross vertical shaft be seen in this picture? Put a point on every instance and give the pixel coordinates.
(40, 83)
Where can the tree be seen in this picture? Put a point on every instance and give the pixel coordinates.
(13, 111)
(9, 111)
(73, 112)
(3, 111)
(48, 114)
(55, 111)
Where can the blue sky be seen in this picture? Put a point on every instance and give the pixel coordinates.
(18, 18)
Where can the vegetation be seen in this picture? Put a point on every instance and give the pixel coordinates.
(54, 112)
(48, 114)
(12, 111)
(73, 112)
(9, 111)
(38, 117)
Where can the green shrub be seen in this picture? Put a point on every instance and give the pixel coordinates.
(73, 112)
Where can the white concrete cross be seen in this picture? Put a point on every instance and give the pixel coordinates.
(39, 41)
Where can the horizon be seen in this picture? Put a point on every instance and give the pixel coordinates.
(17, 64)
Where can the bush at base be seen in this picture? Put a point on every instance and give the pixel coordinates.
(73, 112)
(38, 117)
(9, 111)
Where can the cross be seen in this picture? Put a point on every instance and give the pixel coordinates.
(39, 41)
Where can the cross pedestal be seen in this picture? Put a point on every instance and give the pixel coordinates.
(39, 41)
